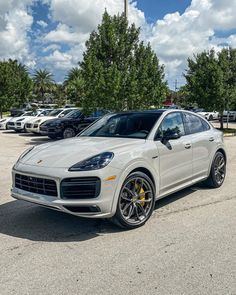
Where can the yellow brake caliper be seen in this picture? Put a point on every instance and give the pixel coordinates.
(142, 195)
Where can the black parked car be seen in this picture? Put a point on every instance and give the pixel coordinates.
(66, 127)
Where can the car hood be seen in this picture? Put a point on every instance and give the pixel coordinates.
(17, 118)
(42, 119)
(55, 121)
(66, 153)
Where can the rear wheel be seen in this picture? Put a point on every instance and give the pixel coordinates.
(218, 171)
(211, 118)
(68, 132)
(136, 201)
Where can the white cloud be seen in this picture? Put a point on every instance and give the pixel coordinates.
(15, 22)
(76, 23)
(177, 37)
(42, 23)
(85, 15)
(174, 38)
(64, 34)
(65, 60)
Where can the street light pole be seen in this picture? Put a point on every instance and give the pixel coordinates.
(126, 8)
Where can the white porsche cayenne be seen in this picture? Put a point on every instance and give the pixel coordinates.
(119, 166)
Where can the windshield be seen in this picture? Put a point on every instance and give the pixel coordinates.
(73, 114)
(55, 112)
(127, 125)
(30, 113)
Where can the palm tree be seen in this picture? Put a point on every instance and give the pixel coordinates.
(43, 82)
(72, 75)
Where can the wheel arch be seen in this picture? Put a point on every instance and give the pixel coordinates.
(147, 172)
(223, 152)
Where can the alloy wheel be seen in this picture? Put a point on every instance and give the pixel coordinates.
(219, 169)
(136, 200)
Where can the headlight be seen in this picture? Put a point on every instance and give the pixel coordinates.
(97, 162)
(37, 121)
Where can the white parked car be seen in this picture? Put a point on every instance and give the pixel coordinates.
(119, 166)
(229, 115)
(33, 125)
(210, 116)
(3, 123)
(20, 122)
(11, 124)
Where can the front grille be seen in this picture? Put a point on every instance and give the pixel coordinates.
(35, 126)
(28, 125)
(80, 188)
(18, 124)
(36, 185)
(11, 123)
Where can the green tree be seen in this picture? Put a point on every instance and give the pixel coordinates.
(74, 86)
(43, 83)
(118, 71)
(211, 80)
(15, 84)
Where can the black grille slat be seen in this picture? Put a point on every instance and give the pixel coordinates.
(36, 185)
(80, 188)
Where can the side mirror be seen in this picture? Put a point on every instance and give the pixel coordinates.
(168, 135)
(61, 116)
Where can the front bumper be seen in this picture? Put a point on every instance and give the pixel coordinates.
(54, 131)
(10, 126)
(2, 126)
(32, 128)
(99, 207)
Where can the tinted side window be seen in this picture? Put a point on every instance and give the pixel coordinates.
(172, 123)
(194, 124)
(206, 126)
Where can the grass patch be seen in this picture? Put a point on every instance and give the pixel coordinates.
(228, 130)
(6, 114)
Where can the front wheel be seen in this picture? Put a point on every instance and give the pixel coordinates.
(136, 201)
(218, 171)
(68, 133)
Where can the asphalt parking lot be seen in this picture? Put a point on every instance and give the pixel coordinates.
(187, 247)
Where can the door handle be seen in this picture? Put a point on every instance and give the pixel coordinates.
(188, 146)
(211, 139)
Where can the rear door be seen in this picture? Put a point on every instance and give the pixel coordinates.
(202, 144)
(175, 156)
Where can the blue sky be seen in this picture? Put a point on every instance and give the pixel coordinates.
(157, 9)
(51, 33)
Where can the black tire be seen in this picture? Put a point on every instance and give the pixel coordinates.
(68, 133)
(211, 118)
(217, 174)
(135, 202)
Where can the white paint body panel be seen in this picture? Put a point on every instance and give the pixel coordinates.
(172, 167)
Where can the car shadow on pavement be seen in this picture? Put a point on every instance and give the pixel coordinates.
(9, 132)
(27, 221)
(179, 195)
(39, 140)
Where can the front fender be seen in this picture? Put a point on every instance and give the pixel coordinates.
(131, 166)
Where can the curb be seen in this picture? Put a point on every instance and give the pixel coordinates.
(229, 134)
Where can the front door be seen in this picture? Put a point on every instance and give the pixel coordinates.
(175, 155)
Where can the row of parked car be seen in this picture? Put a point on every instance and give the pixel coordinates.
(56, 124)
(211, 116)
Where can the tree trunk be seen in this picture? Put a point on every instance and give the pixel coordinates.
(221, 121)
(1, 111)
